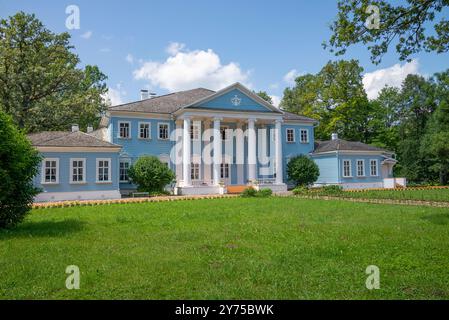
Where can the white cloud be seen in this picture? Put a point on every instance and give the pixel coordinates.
(87, 35)
(129, 58)
(393, 76)
(115, 96)
(186, 69)
(276, 100)
(174, 47)
(290, 77)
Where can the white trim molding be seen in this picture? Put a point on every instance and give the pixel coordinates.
(363, 168)
(140, 130)
(43, 171)
(119, 122)
(158, 131)
(343, 168)
(97, 172)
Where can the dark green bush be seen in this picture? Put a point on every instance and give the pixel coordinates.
(18, 165)
(150, 175)
(264, 193)
(302, 170)
(249, 192)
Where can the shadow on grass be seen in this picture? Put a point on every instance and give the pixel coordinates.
(437, 218)
(43, 229)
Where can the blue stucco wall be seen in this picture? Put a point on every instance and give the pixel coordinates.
(223, 102)
(64, 184)
(328, 165)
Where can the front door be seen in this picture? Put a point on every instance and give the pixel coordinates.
(225, 173)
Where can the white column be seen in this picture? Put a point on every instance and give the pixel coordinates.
(206, 166)
(217, 151)
(278, 152)
(240, 153)
(178, 152)
(252, 157)
(186, 153)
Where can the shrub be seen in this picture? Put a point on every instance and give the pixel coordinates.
(150, 175)
(264, 193)
(332, 189)
(302, 170)
(18, 165)
(249, 192)
(301, 190)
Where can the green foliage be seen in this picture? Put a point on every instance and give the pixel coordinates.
(301, 190)
(403, 23)
(18, 165)
(302, 170)
(250, 192)
(264, 95)
(41, 85)
(150, 174)
(332, 190)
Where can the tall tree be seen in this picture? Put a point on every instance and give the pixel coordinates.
(264, 95)
(378, 24)
(336, 97)
(41, 85)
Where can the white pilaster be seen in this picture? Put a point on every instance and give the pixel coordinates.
(178, 151)
(186, 153)
(252, 157)
(278, 152)
(217, 151)
(207, 168)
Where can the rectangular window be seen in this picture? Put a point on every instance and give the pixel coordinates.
(50, 170)
(77, 170)
(346, 168)
(123, 171)
(124, 130)
(195, 131)
(290, 135)
(304, 136)
(224, 170)
(103, 170)
(163, 131)
(195, 171)
(360, 168)
(144, 130)
(373, 167)
(224, 132)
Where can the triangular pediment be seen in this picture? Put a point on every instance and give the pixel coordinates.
(234, 98)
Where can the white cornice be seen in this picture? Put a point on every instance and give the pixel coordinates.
(78, 149)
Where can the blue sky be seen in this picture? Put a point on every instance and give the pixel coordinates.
(175, 45)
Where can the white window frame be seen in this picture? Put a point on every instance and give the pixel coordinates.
(129, 129)
(195, 168)
(195, 131)
(159, 130)
(223, 170)
(43, 171)
(109, 171)
(363, 167)
(307, 135)
(226, 132)
(343, 168)
(128, 161)
(149, 130)
(371, 167)
(286, 135)
(83, 160)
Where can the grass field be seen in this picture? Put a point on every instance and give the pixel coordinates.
(275, 248)
(406, 194)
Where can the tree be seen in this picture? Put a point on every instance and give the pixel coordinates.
(335, 97)
(302, 170)
(264, 95)
(41, 86)
(150, 174)
(359, 22)
(18, 165)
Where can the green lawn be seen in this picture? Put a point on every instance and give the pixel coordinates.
(406, 194)
(275, 248)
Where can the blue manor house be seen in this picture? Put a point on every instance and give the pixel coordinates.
(174, 127)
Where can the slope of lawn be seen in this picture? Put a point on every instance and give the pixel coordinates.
(406, 194)
(275, 248)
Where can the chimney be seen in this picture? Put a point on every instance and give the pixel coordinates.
(144, 94)
(90, 129)
(75, 128)
(334, 136)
